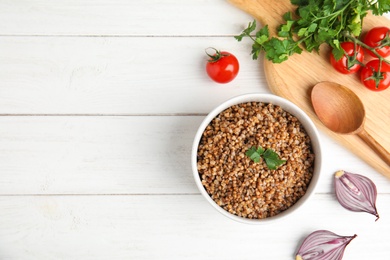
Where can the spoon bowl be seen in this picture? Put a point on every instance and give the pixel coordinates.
(341, 110)
(338, 108)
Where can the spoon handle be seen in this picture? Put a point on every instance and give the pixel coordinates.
(378, 148)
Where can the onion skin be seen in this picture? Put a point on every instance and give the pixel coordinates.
(323, 245)
(356, 192)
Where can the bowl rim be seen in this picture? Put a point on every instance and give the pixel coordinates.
(286, 105)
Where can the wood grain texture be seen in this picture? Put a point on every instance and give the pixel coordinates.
(46, 155)
(170, 227)
(119, 18)
(295, 78)
(117, 75)
(97, 155)
(99, 104)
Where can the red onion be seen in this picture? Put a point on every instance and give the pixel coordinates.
(323, 245)
(356, 192)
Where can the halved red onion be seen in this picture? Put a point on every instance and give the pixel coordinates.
(323, 245)
(356, 192)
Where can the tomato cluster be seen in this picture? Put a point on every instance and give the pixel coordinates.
(375, 74)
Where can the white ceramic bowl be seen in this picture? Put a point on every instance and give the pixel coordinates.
(285, 105)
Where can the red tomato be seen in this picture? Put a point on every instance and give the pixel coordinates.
(222, 67)
(374, 79)
(378, 36)
(351, 62)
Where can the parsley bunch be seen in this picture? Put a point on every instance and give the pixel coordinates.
(314, 23)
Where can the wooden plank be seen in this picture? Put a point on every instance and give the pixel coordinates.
(119, 155)
(76, 75)
(171, 227)
(98, 155)
(120, 17)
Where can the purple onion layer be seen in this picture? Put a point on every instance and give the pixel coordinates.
(356, 192)
(323, 245)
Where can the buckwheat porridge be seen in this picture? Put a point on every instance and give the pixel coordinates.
(241, 186)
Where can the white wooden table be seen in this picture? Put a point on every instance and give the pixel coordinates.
(100, 102)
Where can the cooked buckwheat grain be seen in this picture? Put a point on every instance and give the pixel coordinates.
(241, 186)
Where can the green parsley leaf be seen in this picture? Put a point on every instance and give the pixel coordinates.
(270, 157)
(285, 29)
(262, 35)
(380, 7)
(247, 32)
(255, 154)
(299, 2)
(338, 53)
(277, 50)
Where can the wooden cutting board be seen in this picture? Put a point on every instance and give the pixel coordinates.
(294, 79)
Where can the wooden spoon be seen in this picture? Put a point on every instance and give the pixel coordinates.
(341, 110)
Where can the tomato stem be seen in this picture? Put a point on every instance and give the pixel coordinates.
(353, 60)
(373, 50)
(384, 42)
(216, 56)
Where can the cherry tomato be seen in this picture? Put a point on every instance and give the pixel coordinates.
(351, 61)
(222, 67)
(378, 36)
(374, 79)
